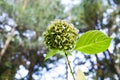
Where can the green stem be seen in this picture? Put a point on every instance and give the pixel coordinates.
(66, 55)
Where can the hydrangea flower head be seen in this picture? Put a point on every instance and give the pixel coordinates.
(60, 35)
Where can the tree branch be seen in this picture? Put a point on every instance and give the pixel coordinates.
(7, 43)
(117, 69)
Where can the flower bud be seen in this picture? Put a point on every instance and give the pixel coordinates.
(60, 35)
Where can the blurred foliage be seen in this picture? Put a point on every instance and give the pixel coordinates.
(32, 18)
(86, 13)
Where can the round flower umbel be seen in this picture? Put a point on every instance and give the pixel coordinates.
(60, 35)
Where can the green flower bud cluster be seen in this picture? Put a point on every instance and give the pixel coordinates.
(60, 35)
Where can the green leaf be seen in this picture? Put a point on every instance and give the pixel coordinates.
(80, 75)
(61, 53)
(93, 42)
(51, 53)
